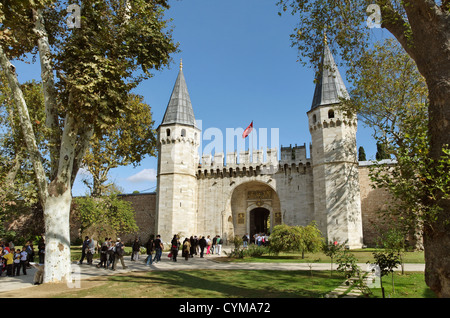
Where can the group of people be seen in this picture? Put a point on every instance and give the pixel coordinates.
(194, 246)
(14, 260)
(111, 252)
(261, 239)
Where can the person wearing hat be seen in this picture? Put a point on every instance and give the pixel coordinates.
(120, 251)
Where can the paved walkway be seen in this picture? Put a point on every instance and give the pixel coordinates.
(208, 262)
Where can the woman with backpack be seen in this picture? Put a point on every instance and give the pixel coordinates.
(120, 251)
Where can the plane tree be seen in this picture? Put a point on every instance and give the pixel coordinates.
(87, 74)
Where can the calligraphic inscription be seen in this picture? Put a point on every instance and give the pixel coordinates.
(277, 218)
(259, 195)
(241, 218)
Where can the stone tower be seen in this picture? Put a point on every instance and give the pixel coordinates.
(337, 204)
(178, 141)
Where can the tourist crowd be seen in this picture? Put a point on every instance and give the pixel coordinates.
(111, 252)
(14, 260)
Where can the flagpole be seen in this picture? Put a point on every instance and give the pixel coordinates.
(252, 144)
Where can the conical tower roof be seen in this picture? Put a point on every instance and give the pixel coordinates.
(329, 85)
(179, 109)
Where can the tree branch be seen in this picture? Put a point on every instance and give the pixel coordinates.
(394, 23)
(48, 83)
(82, 145)
(25, 123)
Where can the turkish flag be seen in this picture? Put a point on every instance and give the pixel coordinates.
(248, 130)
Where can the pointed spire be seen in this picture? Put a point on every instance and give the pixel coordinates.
(179, 109)
(329, 85)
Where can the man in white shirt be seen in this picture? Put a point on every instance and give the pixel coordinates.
(23, 260)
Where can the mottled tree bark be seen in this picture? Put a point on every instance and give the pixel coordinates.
(428, 43)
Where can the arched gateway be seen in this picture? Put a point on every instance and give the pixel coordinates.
(255, 208)
(237, 193)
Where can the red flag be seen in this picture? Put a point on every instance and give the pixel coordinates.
(248, 130)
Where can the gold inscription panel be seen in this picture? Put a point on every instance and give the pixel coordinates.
(259, 195)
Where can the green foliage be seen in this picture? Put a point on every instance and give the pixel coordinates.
(237, 241)
(96, 66)
(110, 54)
(282, 238)
(347, 264)
(387, 262)
(237, 252)
(18, 190)
(391, 96)
(252, 250)
(393, 240)
(331, 249)
(361, 154)
(104, 216)
(126, 142)
(381, 151)
(285, 238)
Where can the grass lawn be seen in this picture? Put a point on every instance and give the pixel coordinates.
(235, 284)
(363, 255)
(246, 283)
(214, 284)
(409, 285)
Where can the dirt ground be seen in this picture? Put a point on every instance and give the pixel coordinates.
(52, 290)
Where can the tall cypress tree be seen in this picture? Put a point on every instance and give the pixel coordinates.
(381, 152)
(361, 154)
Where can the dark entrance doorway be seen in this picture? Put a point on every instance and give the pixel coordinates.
(259, 221)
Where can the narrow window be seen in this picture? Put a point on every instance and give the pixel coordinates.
(331, 113)
(168, 132)
(183, 132)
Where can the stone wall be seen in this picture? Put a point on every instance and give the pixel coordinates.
(372, 202)
(215, 196)
(144, 205)
(293, 188)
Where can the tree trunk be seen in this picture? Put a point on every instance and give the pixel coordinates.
(431, 50)
(436, 240)
(57, 237)
(436, 237)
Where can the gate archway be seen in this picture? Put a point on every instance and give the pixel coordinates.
(255, 208)
(259, 221)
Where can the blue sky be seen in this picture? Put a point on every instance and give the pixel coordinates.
(239, 67)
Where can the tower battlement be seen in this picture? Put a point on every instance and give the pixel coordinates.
(244, 159)
(244, 165)
(331, 123)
